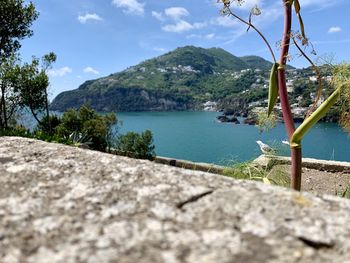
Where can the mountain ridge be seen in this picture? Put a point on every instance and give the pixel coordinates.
(181, 79)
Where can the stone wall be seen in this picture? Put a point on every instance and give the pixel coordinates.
(321, 165)
(64, 204)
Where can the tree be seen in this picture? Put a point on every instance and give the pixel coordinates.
(16, 20)
(48, 124)
(33, 88)
(47, 62)
(341, 80)
(24, 86)
(9, 81)
(97, 128)
(278, 85)
(137, 145)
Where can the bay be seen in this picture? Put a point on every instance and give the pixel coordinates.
(197, 136)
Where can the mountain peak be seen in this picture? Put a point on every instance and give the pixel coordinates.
(207, 60)
(178, 80)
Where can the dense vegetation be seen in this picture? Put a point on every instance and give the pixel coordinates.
(136, 145)
(16, 20)
(186, 78)
(179, 80)
(88, 129)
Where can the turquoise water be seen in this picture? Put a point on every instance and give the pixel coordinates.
(197, 136)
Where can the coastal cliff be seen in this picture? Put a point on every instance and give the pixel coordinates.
(182, 79)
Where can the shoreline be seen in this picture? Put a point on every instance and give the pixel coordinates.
(279, 120)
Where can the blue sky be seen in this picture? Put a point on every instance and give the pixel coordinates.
(94, 38)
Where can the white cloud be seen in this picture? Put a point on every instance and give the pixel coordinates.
(176, 12)
(210, 36)
(199, 25)
(132, 7)
(180, 26)
(270, 12)
(59, 72)
(87, 17)
(200, 36)
(159, 49)
(334, 29)
(224, 21)
(269, 15)
(158, 15)
(91, 70)
(176, 22)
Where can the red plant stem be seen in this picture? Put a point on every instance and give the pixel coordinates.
(287, 115)
(296, 168)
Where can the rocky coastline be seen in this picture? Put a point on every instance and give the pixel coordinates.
(250, 118)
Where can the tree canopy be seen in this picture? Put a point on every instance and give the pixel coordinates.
(16, 19)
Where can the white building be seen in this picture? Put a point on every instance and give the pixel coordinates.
(313, 78)
(290, 87)
(210, 106)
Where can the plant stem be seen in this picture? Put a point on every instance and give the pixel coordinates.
(287, 115)
(257, 30)
(47, 110)
(319, 78)
(3, 104)
(286, 112)
(296, 168)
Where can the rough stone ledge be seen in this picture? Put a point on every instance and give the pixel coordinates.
(316, 164)
(196, 166)
(64, 204)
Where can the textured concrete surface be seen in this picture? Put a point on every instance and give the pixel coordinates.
(195, 166)
(310, 163)
(64, 204)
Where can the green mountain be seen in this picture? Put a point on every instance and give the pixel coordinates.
(182, 79)
(256, 62)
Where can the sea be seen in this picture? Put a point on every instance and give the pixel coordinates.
(199, 137)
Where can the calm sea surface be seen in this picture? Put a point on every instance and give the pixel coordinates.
(197, 136)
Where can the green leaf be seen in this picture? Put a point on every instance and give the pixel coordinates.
(313, 119)
(302, 29)
(301, 23)
(297, 6)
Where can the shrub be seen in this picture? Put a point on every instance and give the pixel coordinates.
(18, 131)
(275, 175)
(44, 126)
(137, 145)
(98, 128)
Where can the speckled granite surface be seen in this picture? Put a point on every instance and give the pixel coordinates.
(64, 204)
